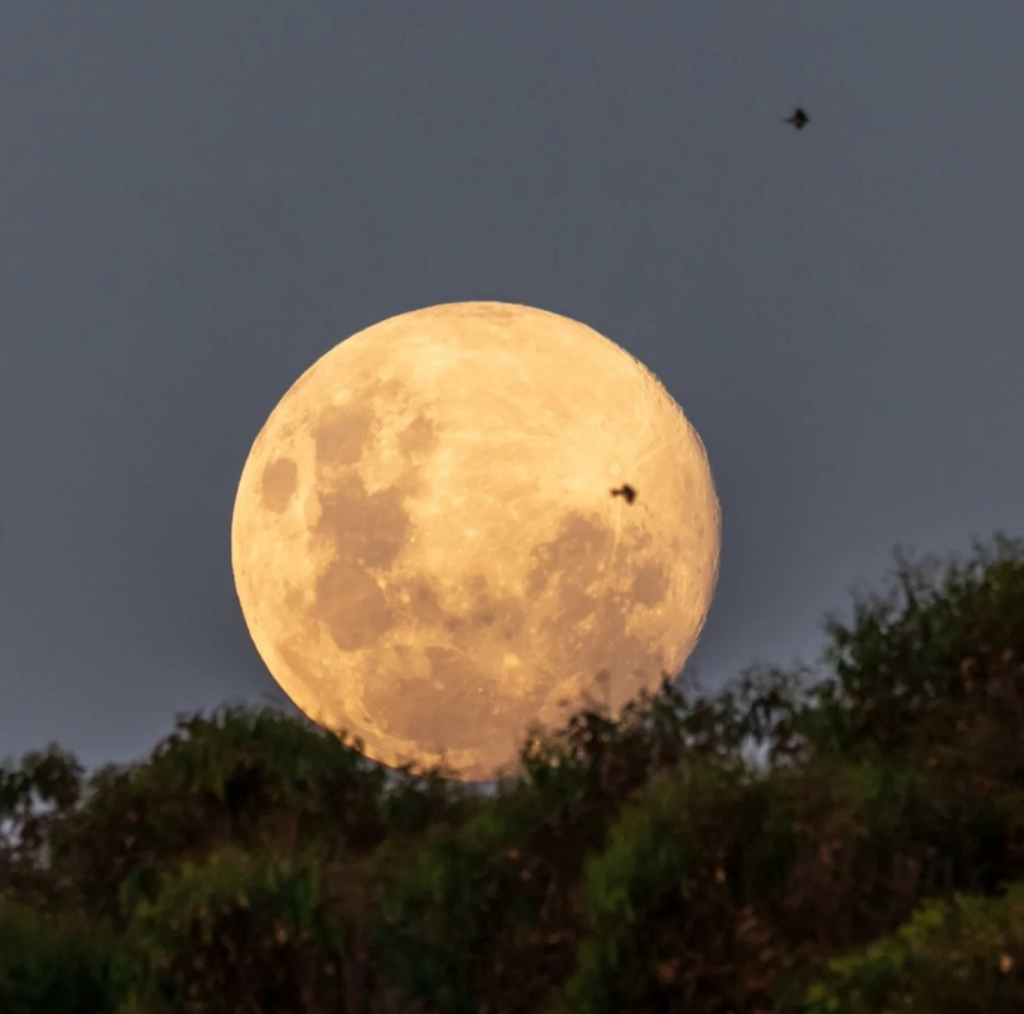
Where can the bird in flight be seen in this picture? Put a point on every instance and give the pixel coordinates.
(626, 492)
(799, 119)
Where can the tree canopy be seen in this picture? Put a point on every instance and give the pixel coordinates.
(845, 839)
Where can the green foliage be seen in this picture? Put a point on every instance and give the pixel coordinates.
(49, 967)
(257, 780)
(959, 956)
(934, 655)
(760, 848)
(36, 795)
(725, 885)
(43, 778)
(484, 908)
(671, 900)
(419, 800)
(238, 934)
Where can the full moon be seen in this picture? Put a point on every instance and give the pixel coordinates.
(467, 520)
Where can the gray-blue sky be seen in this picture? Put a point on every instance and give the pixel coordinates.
(199, 199)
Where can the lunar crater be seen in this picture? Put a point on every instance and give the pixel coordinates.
(342, 433)
(351, 605)
(357, 524)
(278, 484)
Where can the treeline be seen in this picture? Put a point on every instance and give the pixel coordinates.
(848, 841)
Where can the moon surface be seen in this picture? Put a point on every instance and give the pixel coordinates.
(425, 544)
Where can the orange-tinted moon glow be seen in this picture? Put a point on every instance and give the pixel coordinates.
(426, 546)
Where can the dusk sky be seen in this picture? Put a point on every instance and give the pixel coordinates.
(198, 200)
